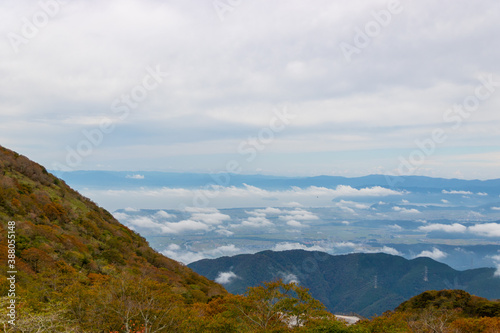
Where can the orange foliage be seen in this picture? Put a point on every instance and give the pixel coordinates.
(37, 259)
(476, 325)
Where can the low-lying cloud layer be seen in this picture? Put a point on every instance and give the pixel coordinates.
(201, 219)
(284, 220)
(211, 219)
(480, 229)
(188, 256)
(246, 196)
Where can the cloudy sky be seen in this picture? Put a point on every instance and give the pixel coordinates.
(275, 87)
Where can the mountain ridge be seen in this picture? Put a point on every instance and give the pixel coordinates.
(91, 178)
(367, 284)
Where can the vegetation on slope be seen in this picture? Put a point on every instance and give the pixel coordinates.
(368, 284)
(444, 311)
(80, 270)
(73, 253)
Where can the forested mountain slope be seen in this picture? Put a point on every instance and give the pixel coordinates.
(367, 284)
(70, 250)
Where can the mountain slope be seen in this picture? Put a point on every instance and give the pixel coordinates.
(66, 243)
(367, 284)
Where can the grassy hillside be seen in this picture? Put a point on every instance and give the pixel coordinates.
(367, 284)
(67, 246)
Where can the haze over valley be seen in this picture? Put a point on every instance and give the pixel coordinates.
(190, 217)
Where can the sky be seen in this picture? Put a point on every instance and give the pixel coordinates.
(318, 87)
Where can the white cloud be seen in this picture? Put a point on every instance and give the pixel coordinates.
(459, 249)
(339, 191)
(207, 210)
(483, 230)
(353, 204)
(390, 250)
(345, 244)
(435, 254)
(292, 204)
(376, 191)
(457, 192)
(350, 206)
(495, 208)
(473, 214)
(226, 197)
(135, 176)
(298, 215)
(348, 210)
(131, 210)
(144, 222)
(185, 256)
(269, 211)
(265, 212)
(453, 228)
(173, 247)
(255, 222)
(207, 215)
(486, 229)
(286, 246)
(210, 218)
(183, 226)
(164, 215)
(345, 222)
(220, 196)
(496, 259)
(120, 216)
(445, 201)
(294, 223)
(289, 278)
(403, 210)
(155, 223)
(226, 277)
(483, 194)
(224, 250)
(396, 227)
(224, 232)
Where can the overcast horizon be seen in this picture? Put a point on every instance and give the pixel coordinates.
(289, 88)
(137, 174)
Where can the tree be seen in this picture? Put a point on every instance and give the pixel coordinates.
(276, 306)
(387, 323)
(143, 303)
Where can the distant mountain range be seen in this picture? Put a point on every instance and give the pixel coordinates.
(366, 284)
(124, 179)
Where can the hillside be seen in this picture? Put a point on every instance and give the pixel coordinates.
(70, 250)
(469, 305)
(366, 284)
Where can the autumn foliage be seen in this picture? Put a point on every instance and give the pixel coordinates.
(80, 270)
